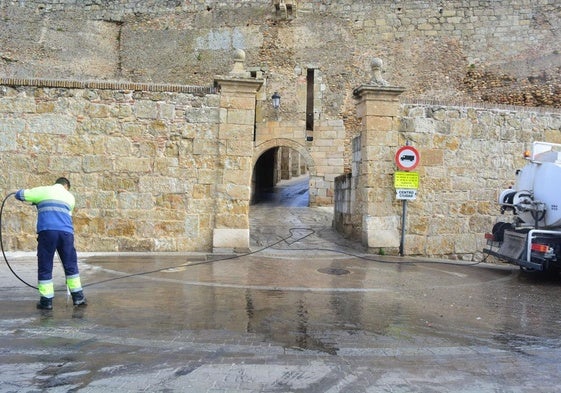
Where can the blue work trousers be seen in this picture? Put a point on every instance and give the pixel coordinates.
(62, 242)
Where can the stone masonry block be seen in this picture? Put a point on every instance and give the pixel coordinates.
(206, 176)
(133, 129)
(133, 164)
(167, 111)
(118, 147)
(460, 127)
(239, 221)
(65, 165)
(236, 147)
(146, 109)
(238, 191)
(431, 157)
(97, 110)
(231, 209)
(424, 125)
(244, 102)
(383, 231)
(238, 116)
(373, 125)
(205, 146)
(229, 238)
(236, 131)
(203, 115)
(96, 163)
(160, 184)
(18, 104)
(10, 128)
(105, 126)
(201, 191)
(191, 225)
(52, 124)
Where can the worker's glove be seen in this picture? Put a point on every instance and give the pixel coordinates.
(19, 195)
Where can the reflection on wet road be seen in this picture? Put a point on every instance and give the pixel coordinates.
(287, 298)
(288, 193)
(295, 317)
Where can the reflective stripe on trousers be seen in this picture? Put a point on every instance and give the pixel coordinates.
(46, 289)
(73, 283)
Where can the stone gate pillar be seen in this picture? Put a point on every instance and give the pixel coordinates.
(235, 154)
(378, 108)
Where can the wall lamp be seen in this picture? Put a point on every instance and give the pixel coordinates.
(276, 100)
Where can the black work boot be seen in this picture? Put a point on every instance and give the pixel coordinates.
(79, 299)
(45, 303)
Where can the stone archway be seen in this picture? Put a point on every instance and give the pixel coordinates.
(282, 161)
(284, 142)
(272, 219)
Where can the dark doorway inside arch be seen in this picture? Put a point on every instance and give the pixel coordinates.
(280, 178)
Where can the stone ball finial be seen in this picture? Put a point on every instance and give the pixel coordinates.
(377, 78)
(239, 55)
(239, 63)
(377, 63)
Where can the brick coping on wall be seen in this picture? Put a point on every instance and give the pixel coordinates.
(108, 85)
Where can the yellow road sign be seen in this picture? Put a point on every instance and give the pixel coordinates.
(406, 180)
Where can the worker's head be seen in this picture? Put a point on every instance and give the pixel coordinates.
(64, 181)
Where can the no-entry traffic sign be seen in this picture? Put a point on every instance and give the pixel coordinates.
(407, 158)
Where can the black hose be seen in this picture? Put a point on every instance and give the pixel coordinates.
(285, 240)
(271, 246)
(2, 244)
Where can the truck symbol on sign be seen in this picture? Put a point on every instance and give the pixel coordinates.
(408, 157)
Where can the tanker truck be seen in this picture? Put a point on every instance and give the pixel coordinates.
(531, 239)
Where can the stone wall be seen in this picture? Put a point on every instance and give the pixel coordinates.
(143, 163)
(347, 213)
(429, 46)
(168, 168)
(468, 155)
(342, 208)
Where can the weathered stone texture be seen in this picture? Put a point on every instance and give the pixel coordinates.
(160, 142)
(132, 179)
(468, 154)
(463, 169)
(454, 50)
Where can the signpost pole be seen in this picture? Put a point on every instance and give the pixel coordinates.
(403, 215)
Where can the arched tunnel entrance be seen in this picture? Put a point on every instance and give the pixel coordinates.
(282, 205)
(281, 178)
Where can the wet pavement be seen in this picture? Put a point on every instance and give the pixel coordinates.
(304, 311)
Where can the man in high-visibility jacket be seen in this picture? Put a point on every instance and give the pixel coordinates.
(55, 232)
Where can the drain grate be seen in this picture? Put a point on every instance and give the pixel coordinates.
(334, 271)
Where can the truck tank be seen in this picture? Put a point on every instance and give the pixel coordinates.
(536, 196)
(532, 239)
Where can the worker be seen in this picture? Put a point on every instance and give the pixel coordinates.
(55, 232)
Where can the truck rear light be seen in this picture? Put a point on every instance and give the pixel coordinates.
(540, 247)
(489, 236)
